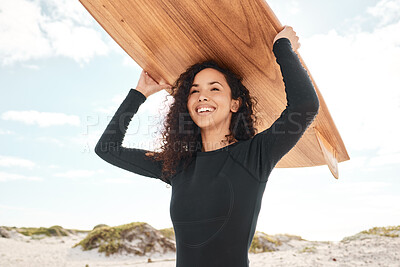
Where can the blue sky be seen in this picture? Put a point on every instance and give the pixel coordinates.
(62, 78)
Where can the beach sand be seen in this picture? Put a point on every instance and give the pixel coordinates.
(369, 250)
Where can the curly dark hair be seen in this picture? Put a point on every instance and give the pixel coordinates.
(177, 143)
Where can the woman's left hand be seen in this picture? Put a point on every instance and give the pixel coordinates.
(289, 33)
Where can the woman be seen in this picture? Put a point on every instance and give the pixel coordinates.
(217, 166)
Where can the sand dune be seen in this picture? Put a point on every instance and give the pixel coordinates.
(364, 249)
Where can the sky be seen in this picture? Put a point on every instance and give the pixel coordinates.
(62, 78)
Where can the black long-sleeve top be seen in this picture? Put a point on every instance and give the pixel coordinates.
(216, 200)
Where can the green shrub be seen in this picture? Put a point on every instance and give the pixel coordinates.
(106, 238)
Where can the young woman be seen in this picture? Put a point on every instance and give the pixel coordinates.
(211, 155)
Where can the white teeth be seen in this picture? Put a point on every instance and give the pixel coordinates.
(205, 109)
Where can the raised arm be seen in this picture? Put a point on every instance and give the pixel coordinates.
(301, 109)
(109, 147)
(261, 153)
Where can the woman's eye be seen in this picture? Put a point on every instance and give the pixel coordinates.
(197, 90)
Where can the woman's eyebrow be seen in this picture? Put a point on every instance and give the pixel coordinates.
(210, 83)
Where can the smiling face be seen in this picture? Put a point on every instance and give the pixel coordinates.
(209, 102)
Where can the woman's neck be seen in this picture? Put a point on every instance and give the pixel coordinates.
(214, 139)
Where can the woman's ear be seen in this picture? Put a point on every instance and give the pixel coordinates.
(235, 105)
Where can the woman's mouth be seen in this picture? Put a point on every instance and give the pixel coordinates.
(204, 111)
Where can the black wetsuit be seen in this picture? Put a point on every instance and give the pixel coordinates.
(215, 202)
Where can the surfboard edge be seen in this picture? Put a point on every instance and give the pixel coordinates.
(329, 153)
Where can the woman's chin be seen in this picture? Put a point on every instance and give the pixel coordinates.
(206, 125)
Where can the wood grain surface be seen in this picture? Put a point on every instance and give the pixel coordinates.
(166, 37)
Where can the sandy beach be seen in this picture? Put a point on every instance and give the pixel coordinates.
(358, 250)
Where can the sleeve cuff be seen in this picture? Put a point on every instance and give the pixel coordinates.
(138, 94)
(281, 45)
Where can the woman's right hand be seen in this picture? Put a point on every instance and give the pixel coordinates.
(290, 34)
(148, 86)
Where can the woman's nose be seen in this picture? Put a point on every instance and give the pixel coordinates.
(203, 97)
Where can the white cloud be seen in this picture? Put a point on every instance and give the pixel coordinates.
(6, 132)
(155, 100)
(7, 161)
(293, 7)
(31, 66)
(77, 173)
(386, 10)
(7, 207)
(346, 188)
(388, 159)
(43, 119)
(158, 100)
(280, 7)
(324, 207)
(357, 73)
(53, 166)
(6, 177)
(355, 163)
(41, 29)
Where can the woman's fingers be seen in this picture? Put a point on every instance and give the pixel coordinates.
(164, 84)
(289, 33)
(150, 79)
(150, 85)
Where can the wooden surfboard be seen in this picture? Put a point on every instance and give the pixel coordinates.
(165, 37)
